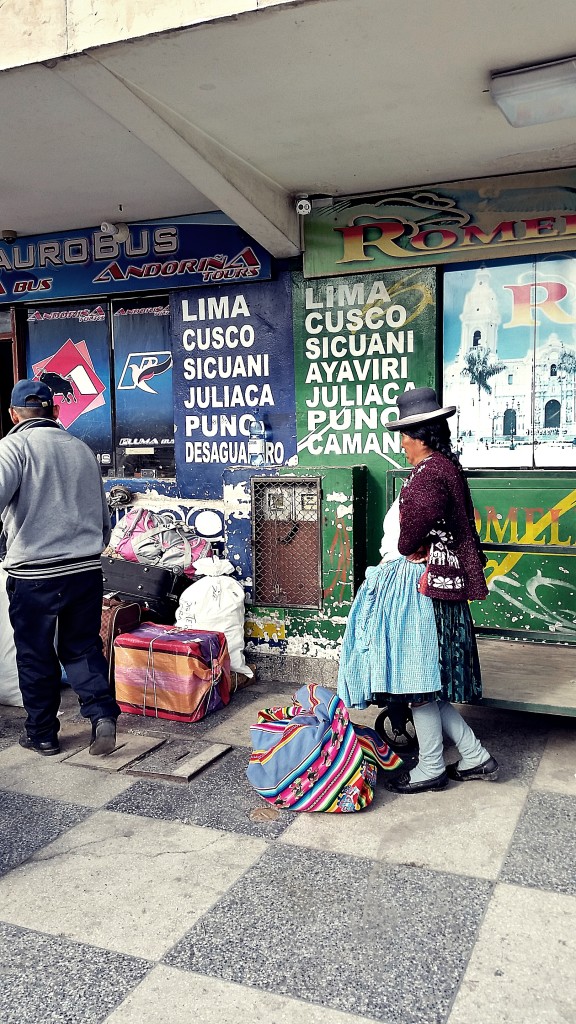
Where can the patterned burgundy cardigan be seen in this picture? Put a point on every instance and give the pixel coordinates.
(436, 512)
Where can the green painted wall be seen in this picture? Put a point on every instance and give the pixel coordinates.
(359, 341)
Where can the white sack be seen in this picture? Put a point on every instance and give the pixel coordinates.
(9, 689)
(216, 602)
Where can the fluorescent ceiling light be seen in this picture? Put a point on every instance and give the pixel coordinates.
(536, 95)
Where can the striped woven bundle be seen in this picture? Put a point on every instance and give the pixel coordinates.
(167, 672)
(309, 756)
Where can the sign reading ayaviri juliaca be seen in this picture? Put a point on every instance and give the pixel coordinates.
(485, 218)
(359, 343)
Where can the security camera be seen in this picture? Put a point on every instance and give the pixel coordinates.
(303, 206)
(119, 232)
(9, 236)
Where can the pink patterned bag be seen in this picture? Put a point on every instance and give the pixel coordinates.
(157, 539)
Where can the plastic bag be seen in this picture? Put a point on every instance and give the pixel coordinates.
(216, 602)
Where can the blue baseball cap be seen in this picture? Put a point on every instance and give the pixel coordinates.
(31, 393)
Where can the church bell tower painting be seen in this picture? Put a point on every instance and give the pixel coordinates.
(510, 362)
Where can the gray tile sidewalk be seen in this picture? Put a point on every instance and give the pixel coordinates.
(136, 901)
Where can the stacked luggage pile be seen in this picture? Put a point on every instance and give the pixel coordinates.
(169, 652)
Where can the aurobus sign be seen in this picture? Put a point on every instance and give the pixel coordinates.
(156, 255)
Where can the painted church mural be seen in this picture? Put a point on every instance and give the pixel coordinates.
(510, 362)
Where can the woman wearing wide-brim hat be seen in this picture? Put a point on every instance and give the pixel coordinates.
(410, 637)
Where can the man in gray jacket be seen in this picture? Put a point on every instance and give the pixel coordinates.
(55, 524)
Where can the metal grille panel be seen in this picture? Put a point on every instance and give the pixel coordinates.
(286, 542)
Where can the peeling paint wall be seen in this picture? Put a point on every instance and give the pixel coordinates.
(207, 517)
(304, 632)
(238, 524)
(32, 31)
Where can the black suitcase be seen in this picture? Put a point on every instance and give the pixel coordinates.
(152, 586)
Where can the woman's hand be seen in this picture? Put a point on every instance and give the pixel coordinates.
(420, 555)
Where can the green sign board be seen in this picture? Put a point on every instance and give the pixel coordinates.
(359, 342)
(485, 218)
(527, 525)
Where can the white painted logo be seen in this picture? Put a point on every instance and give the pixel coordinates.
(140, 367)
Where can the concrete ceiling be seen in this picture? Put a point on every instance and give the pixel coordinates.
(322, 97)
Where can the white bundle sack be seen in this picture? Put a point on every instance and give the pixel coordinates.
(216, 602)
(9, 689)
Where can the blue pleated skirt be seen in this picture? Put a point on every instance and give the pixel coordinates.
(390, 643)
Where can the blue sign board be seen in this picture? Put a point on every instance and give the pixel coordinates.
(68, 347)
(233, 367)
(157, 255)
(143, 385)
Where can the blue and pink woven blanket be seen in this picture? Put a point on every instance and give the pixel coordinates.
(310, 757)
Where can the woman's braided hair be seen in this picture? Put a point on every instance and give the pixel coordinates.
(436, 435)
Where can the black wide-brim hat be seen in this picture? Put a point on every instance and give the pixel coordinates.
(419, 405)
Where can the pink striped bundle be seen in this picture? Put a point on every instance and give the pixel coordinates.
(168, 672)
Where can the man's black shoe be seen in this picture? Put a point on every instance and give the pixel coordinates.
(402, 784)
(45, 747)
(103, 736)
(487, 772)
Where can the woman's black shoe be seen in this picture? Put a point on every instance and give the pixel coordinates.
(487, 772)
(46, 747)
(402, 784)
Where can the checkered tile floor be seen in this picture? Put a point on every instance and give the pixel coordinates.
(136, 901)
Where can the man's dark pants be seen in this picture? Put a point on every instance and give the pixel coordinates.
(73, 604)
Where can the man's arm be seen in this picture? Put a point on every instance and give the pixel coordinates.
(11, 465)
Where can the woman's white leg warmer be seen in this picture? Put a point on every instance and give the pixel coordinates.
(428, 725)
(472, 753)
